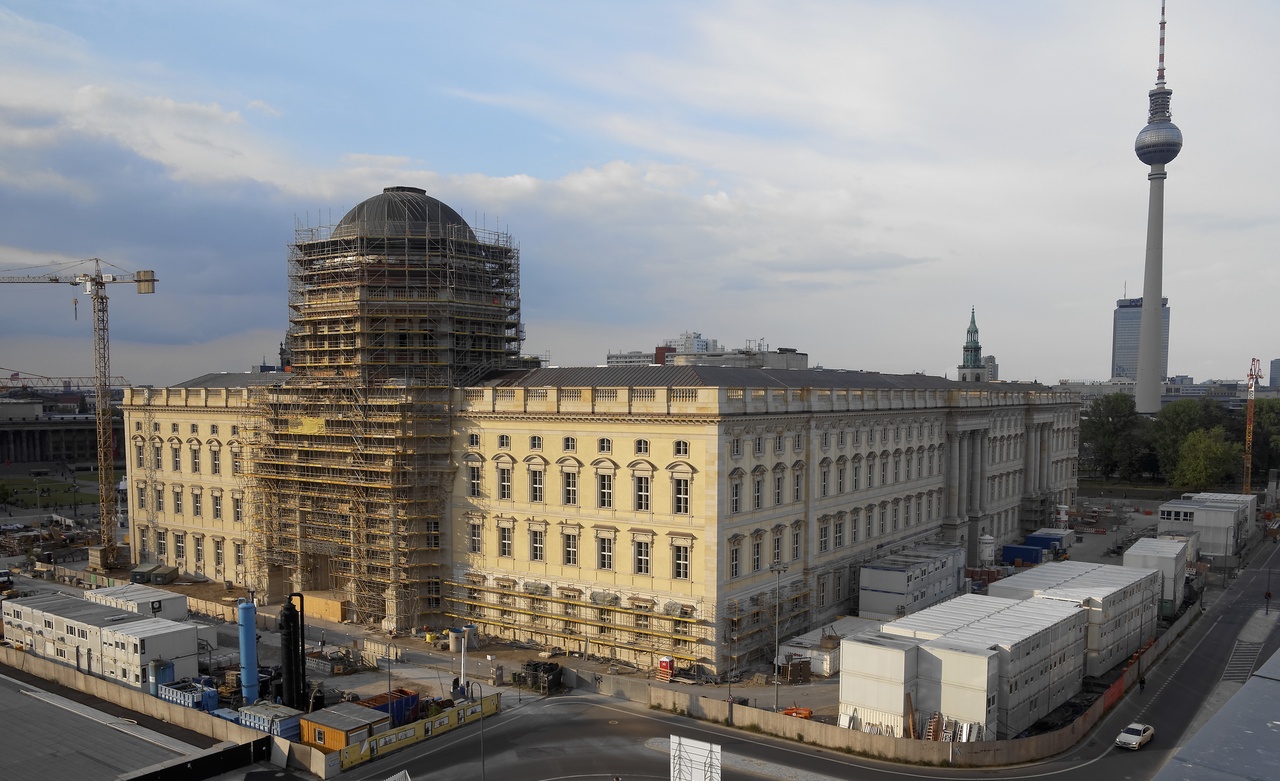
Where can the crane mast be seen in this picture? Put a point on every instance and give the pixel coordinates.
(94, 285)
(1255, 374)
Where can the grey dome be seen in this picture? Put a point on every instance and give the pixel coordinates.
(1158, 143)
(401, 211)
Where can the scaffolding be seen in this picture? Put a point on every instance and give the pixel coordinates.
(351, 466)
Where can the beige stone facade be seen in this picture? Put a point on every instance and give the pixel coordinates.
(634, 513)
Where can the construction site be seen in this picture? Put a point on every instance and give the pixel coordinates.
(351, 472)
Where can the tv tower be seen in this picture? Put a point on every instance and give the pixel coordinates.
(1157, 144)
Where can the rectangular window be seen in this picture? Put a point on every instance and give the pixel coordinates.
(218, 555)
(142, 498)
(735, 447)
(795, 544)
(505, 536)
(570, 488)
(840, 479)
(680, 496)
(642, 447)
(239, 554)
(642, 557)
(215, 462)
(682, 448)
(537, 545)
(870, 522)
(604, 491)
(735, 497)
(857, 476)
(504, 482)
(757, 494)
(734, 555)
(177, 459)
(642, 493)
(473, 480)
(196, 504)
(777, 548)
(824, 538)
(217, 507)
(797, 487)
(895, 517)
(755, 555)
(177, 501)
(826, 479)
(475, 537)
(162, 544)
(884, 514)
(779, 443)
(777, 489)
(159, 497)
(237, 509)
(838, 536)
(195, 461)
(604, 550)
(536, 488)
(680, 562)
(235, 463)
(140, 458)
(758, 448)
(197, 547)
(571, 550)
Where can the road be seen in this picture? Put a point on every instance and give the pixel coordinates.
(589, 738)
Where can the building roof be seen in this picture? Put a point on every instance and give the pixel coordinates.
(346, 716)
(723, 376)
(134, 592)
(77, 610)
(400, 211)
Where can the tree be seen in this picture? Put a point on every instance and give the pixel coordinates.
(1206, 460)
(1176, 421)
(1107, 433)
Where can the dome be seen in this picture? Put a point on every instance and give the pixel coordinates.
(1158, 143)
(400, 211)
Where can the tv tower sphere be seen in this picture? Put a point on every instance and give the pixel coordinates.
(1158, 143)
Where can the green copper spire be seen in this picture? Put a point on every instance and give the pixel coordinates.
(972, 350)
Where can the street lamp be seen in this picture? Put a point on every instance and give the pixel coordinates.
(481, 690)
(777, 568)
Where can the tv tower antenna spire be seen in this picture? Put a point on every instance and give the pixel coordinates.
(1157, 144)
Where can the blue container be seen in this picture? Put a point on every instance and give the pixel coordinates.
(1027, 554)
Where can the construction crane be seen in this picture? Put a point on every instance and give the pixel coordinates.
(94, 285)
(15, 380)
(1255, 374)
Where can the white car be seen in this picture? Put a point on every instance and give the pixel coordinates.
(1135, 736)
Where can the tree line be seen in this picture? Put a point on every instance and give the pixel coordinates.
(1191, 444)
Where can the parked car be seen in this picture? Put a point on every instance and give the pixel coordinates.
(1135, 736)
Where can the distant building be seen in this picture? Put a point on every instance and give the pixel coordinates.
(1125, 326)
(692, 349)
(1275, 373)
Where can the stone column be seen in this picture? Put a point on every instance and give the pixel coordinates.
(953, 475)
(984, 470)
(962, 475)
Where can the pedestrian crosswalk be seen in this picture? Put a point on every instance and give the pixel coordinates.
(1243, 659)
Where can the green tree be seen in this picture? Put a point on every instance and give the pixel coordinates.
(1207, 460)
(1176, 421)
(1107, 434)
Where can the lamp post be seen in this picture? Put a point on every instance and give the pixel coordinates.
(481, 690)
(776, 568)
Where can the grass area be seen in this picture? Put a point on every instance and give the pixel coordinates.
(53, 493)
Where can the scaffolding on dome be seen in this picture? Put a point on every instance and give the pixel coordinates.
(351, 470)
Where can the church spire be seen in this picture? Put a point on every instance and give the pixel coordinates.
(972, 349)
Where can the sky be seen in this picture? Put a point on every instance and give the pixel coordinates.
(844, 178)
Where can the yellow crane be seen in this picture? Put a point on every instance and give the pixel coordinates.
(94, 284)
(1255, 374)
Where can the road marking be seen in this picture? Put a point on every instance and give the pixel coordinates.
(1243, 658)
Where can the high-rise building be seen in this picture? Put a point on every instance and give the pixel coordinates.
(1126, 325)
(1157, 145)
(1275, 373)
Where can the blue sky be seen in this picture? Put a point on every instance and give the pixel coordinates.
(845, 178)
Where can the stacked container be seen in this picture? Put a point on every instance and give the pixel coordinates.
(274, 719)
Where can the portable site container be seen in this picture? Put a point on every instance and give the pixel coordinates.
(130, 648)
(403, 708)
(338, 726)
(1167, 556)
(142, 573)
(275, 719)
(877, 671)
(1051, 539)
(1222, 520)
(63, 628)
(190, 695)
(144, 600)
(164, 575)
(910, 581)
(959, 680)
(1026, 554)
